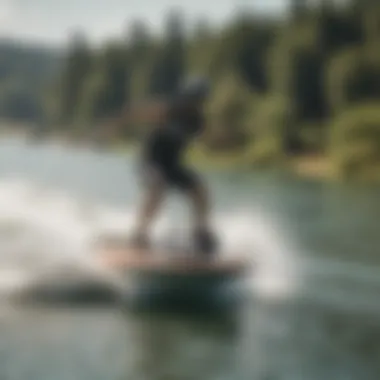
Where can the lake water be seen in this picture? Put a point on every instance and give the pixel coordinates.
(312, 310)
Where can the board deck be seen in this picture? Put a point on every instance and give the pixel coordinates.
(173, 279)
(129, 259)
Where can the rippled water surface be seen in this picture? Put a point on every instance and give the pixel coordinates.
(312, 307)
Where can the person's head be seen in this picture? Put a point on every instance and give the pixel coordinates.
(194, 89)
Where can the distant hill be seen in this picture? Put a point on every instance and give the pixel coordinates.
(25, 72)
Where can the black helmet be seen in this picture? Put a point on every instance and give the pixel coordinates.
(194, 88)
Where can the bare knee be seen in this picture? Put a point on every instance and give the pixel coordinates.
(199, 194)
(153, 194)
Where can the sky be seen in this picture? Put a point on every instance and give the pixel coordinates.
(51, 21)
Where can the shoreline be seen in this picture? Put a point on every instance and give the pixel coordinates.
(312, 166)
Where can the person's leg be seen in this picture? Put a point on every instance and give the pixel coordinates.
(149, 208)
(153, 195)
(204, 238)
(198, 195)
(199, 198)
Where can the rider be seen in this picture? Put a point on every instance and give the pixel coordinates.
(180, 121)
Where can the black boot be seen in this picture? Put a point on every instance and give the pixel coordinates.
(205, 243)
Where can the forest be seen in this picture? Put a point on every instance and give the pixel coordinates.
(307, 83)
(25, 72)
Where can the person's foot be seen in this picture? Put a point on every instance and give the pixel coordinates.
(205, 243)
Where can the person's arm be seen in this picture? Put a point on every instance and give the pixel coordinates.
(141, 113)
(149, 112)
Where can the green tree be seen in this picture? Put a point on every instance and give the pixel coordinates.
(140, 46)
(355, 142)
(201, 51)
(242, 48)
(352, 77)
(169, 63)
(271, 125)
(227, 110)
(77, 67)
(107, 88)
(298, 8)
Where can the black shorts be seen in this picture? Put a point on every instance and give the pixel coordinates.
(174, 176)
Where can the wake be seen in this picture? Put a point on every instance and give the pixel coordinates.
(46, 237)
(44, 231)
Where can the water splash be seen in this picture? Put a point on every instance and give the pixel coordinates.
(42, 228)
(273, 258)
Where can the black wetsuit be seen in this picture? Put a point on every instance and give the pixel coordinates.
(163, 151)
